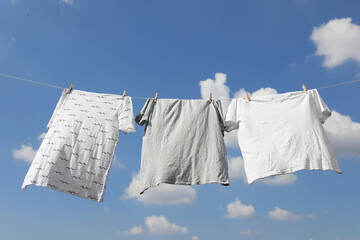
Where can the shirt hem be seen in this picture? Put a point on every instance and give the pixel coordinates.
(224, 183)
(288, 171)
(99, 199)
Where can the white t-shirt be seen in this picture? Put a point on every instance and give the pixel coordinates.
(76, 154)
(282, 133)
(183, 143)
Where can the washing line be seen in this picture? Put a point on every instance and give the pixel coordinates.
(49, 85)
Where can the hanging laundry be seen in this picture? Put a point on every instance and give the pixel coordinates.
(183, 143)
(282, 133)
(76, 154)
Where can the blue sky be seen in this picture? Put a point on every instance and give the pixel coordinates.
(169, 47)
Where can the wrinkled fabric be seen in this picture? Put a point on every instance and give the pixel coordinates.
(183, 143)
(76, 153)
(282, 133)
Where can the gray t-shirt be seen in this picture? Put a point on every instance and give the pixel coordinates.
(183, 143)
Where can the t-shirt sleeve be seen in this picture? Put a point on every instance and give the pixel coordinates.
(60, 103)
(322, 110)
(143, 115)
(126, 116)
(231, 119)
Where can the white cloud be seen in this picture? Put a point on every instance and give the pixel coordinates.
(134, 231)
(343, 134)
(162, 194)
(42, 136)
(137, 230)
(217, 87)
(283, 215)
(236, 168)
(237, 209)
(280, 180)
(70, 2)
(160, 225)
(248, 232)
(195, 238)
(338, 41)
(25, 153)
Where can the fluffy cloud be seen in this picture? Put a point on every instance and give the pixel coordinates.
(344, 135)
(195, 238)
(160, 225)
(280, 180)
(26, 153)
(134, 231)
(338, 41)
(237, 209)
(162, 194)
(236, 168)
(217, 87)
(283, 215)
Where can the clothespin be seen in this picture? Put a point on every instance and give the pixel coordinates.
(304, 87)
(156, 97)
(210, 99)
(71, 87)
(124, 94)
(248, 97)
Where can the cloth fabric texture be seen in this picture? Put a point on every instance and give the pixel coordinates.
(183, 143)
(76, 154)
(282, 133)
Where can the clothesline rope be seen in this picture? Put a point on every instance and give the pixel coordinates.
(49, 85)
(27, 80)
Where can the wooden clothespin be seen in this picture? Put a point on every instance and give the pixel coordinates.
(156, 97)
(71, 87)
(248, 97)
(124, 94)
(210, 99)
(304, 87)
